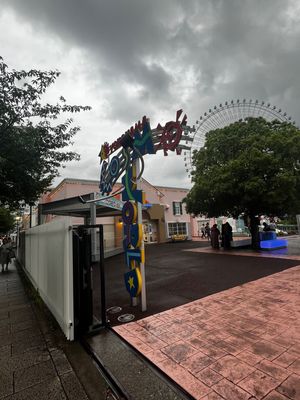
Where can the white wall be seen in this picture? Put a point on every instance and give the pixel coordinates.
(49, 266)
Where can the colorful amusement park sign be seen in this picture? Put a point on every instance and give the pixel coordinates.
(125, 155)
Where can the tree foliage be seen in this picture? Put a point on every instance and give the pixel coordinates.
(249, 167)
(32, 140)
(7, 220)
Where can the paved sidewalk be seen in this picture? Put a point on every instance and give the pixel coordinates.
(275, 254)
(178, 273)
(242, 343)
(32, 363)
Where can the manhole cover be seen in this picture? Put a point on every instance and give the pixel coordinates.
(126, 317)
(114, 310)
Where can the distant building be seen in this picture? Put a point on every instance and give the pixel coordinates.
(163, 216)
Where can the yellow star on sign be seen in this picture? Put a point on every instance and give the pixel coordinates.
(131, 282)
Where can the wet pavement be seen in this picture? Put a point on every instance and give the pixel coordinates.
(136, 378)
(33, 351)
(178, 273)
(219, 325)
(239, 343)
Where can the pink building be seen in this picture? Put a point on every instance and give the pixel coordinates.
(164, 216)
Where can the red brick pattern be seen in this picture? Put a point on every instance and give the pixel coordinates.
(243, 343)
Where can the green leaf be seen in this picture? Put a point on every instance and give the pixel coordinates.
(32, 145)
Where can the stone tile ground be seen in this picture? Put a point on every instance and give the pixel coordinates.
(242, 343)
(32, 366)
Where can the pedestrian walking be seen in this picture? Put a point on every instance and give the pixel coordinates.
(5, 254)
(207, 231)
(203, 231)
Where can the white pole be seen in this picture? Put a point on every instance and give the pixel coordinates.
(142, 247)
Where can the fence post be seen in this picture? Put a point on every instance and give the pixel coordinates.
(93, 221)
(298, 222)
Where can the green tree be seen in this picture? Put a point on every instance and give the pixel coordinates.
(7, 220)
(32, 140)
(250, 167)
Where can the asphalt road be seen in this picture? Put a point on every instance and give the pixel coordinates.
(175, 277)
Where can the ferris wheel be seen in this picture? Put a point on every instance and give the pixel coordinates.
(225, 114)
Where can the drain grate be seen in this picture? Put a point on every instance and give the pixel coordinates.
(126, 317)
(114, 310)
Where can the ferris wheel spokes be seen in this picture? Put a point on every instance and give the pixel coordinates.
(225, 114)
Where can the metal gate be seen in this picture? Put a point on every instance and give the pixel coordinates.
(88, 268)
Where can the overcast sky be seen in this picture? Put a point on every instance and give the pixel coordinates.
(130, 58)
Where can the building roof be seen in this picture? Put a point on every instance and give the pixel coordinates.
(77, 207)
(96, 182)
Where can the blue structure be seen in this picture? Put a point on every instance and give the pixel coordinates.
(269, 241)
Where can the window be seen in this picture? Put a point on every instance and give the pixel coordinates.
(177, 208)
(177, 228)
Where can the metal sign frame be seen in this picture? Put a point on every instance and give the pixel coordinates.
(128, 161)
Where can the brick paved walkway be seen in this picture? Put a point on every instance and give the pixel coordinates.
(31, 365)
(242, 343)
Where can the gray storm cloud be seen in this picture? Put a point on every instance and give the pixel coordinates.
(231, 48)
(153, 57)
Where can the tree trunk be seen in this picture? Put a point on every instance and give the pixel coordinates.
(254, 222)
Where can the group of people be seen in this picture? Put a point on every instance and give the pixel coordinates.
(6, 252)
(225, 236)
(205, 231)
